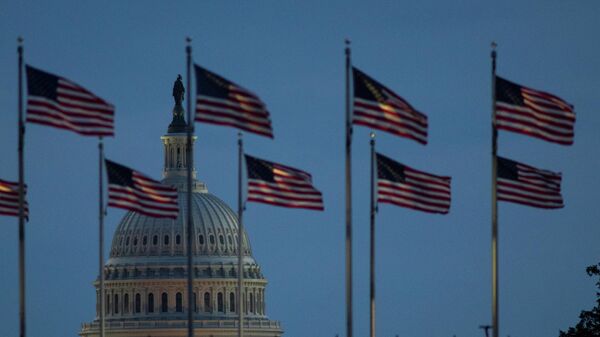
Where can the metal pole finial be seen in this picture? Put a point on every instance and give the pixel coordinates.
(372, 135)
(20, 40)
(188, 50)
(347, 43)
(494, 45)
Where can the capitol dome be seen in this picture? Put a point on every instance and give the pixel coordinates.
(146, 273)
(142, 239)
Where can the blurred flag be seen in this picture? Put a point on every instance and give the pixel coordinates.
(60, 103)
(534, 113)
(404, 186)
(523, 184)
(281, 185)
(134, 191)
(223, 102)
(9, 199)
(380, 108)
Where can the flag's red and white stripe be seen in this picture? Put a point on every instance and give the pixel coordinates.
(395, 116)
(75, 109)
(241, 109)
(533, 187)
(9, 199)
(291, 188)
(540, 115)
(146, 196)
(419, 190)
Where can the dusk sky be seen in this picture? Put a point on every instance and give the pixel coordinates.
(433, 271)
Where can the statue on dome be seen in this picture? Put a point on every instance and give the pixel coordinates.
(178, 90)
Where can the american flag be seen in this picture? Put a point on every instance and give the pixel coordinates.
(527, 185)
(281, 185)
(58, 102)
(9, 199)
(404, 186)
(380, 108)
(220, 101)
(134, 191)
(534, 113)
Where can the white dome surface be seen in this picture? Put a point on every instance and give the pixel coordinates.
(141, 239)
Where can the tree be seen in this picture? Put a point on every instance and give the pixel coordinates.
(589, 323)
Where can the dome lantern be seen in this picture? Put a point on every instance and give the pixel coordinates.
(175, 146)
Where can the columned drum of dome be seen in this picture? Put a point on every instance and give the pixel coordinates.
(146, 273)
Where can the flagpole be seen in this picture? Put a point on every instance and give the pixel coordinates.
(21, 135)
(348, 141)
(101, 233)
(190, 163)
(240, 236)
(495, 323)
(373, 211)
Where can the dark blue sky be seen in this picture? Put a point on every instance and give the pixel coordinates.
(433, 272)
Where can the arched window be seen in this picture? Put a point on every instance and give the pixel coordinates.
(135, 241)
(116, 304)
(221, 239)
(155, 240)
(166, 240)
(107, 305)
(127, 241)
(231, 302)
(178, 239)
(229, 239)
(195, 303)
(201, 239)
(220, 306)
(251, 302)
(151, 302)
(164, 305)
(212, 239)
(178, 302)
(138, 303)
(126, 303)
(207, 302)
